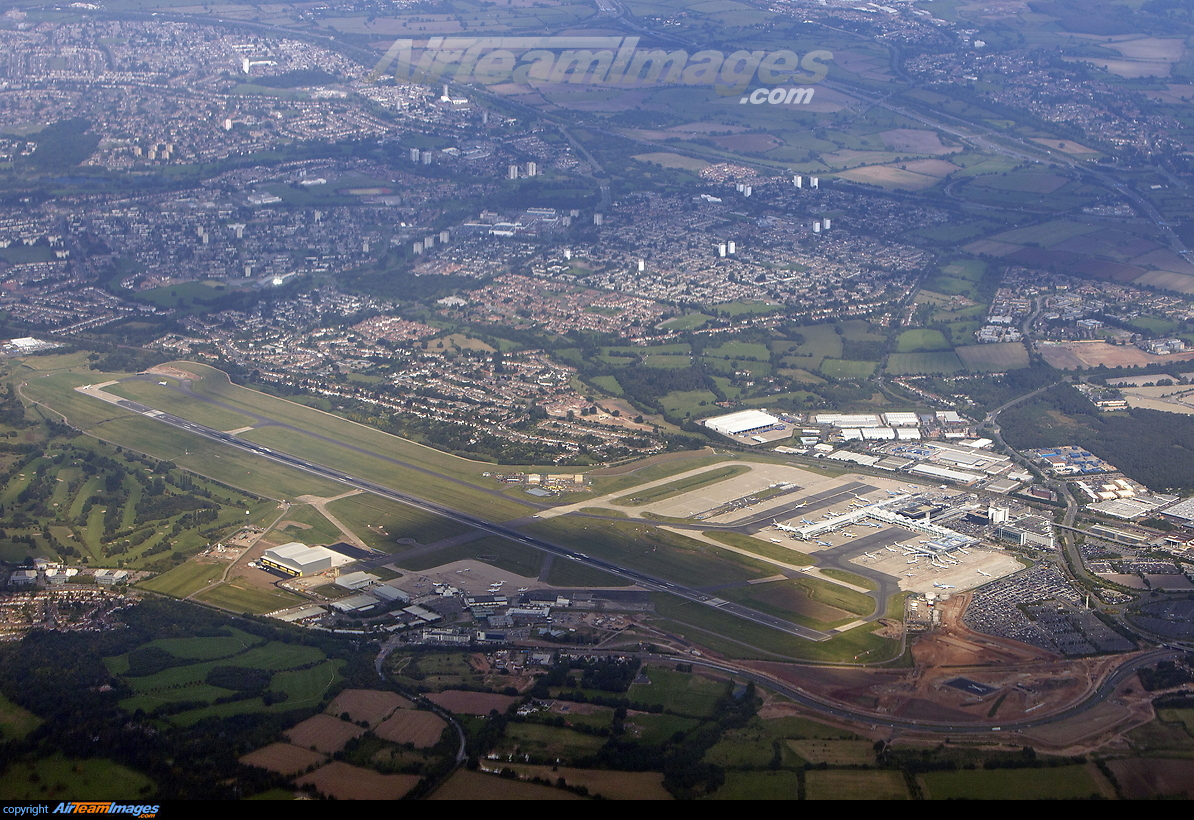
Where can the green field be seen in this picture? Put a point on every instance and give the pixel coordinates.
(911, 364)
(60, 778)
(912, 341)
(847, 368)
(678, 692)
(993, 358)
(1061, 783)
(16, 722)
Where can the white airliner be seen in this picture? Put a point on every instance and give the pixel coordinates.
(825, 543)
(786, 528)
(870, 555)
(940, 585)
(980, 572)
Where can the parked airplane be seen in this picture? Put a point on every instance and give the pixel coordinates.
(786, 528)
(870, 555)
(980, 572)
(940, 585)
(849, 535)
(825, 543)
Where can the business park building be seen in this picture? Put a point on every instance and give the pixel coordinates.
(750, 427)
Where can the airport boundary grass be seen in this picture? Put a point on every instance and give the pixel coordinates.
(685, 485)
(238, 597)
(185, 579)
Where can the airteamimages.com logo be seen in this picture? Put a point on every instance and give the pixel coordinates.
(83, 807)
(607, 62)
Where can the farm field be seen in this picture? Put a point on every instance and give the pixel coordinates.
(679, 692)
(759, 786)
(470, 785)
(855, 785)
(611, 785)
(993, 358)
(1061, 783)
(911, 364)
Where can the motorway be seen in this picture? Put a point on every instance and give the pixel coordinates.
(642, 579)
(1104, 690)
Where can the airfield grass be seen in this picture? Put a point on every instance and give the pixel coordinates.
(165, 398)
(1061, 783)
(236, 597)
(793, 601)
(849, 578)
(60, 778)
(382, 523)
(500, 552)
(610, 484)
(684, 485)
(318, 529)
(433, 487)
(219, 461)
(648, 549)
(16, 722)
(764, 549)
(679, 693)
(214, 383)
(184, 580)
(565, 572)
(759, 786)
(738, 638)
